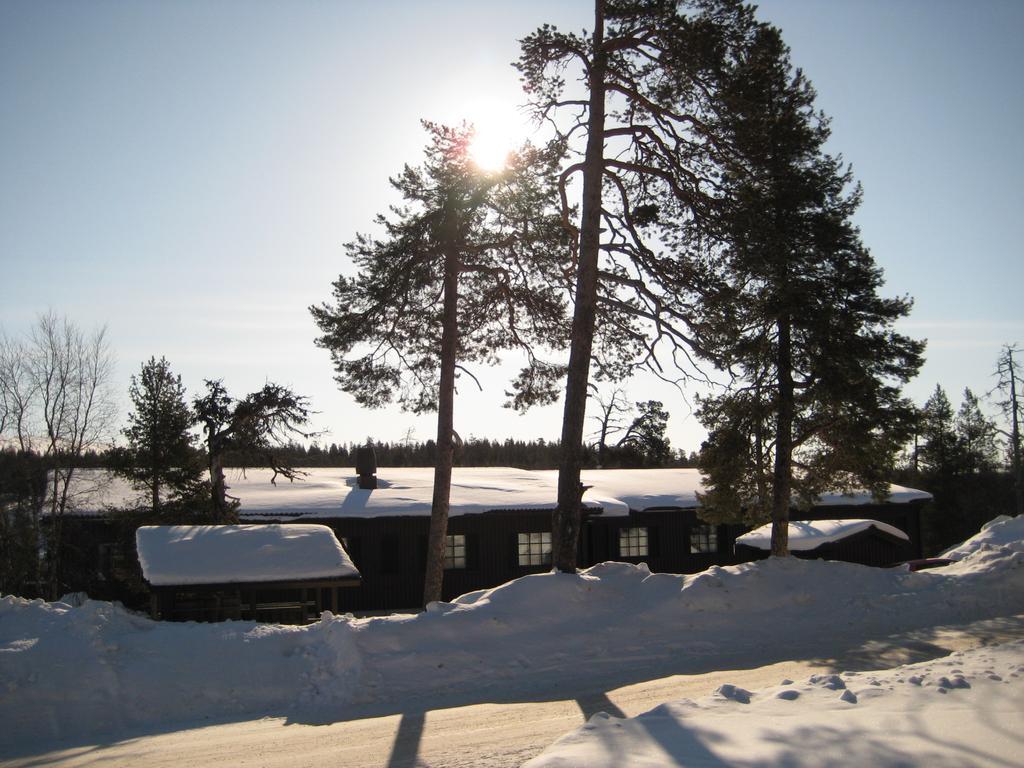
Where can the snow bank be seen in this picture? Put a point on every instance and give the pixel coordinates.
(67, 672)
(230, 554)
(97, 669)
(962, 709)
(805, 536)
(1003, 531)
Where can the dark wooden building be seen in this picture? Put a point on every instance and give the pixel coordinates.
(856, 540)
(500, 526)
(274, 573)
(649, 516)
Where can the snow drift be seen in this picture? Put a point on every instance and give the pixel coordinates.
(1003, 531)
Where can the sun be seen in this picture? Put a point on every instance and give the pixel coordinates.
(489, 150)
(499, 129)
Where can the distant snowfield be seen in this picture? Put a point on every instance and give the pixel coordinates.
(79, 675)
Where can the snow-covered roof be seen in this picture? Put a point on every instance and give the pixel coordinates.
(805, 536)
(402, 491)
(331, 492)
(231, 554)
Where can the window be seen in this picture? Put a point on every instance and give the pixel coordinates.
(633, 542)
(455, 551)
(111, 558)
(703, 538)
(535, 548)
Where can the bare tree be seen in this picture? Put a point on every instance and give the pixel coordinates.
(59, 400)
(1008, 371)
(613, 409)
(16, 391)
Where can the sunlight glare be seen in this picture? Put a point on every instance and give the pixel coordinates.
(490, 150)
(499, 130)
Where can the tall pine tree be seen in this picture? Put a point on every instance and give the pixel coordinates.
(791, 307)
(643, 155)
(468, 267)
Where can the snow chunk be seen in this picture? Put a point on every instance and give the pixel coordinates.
(831, 682)
(229, 554)
(805, 536)
(849, 697)
(733, 693)
(1003, 531)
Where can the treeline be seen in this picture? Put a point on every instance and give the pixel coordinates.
(474, 452)
(962, 458)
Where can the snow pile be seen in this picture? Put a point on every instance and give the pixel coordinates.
(1003, 531)
(67, 672)
(228, 554)
(805, 536)
(963, 709)
(77, 672)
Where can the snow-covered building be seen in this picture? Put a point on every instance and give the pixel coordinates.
(287, 574)
(500, 522)
(870, 542)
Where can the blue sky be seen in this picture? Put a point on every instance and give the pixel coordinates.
(188, 172)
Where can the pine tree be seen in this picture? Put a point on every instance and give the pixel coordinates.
(938, 452)
(644, 443)
(644, 171)
(791, 307)
(161, 457)
(976, 437)
(255, 428)
(468, 267)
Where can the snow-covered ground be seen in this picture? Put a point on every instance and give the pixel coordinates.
(961, 710)
(80, 675)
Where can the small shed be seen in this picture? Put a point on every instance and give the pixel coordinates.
(868, 542)
(286, 574)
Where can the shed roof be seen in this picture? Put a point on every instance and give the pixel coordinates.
(232, 554)
(805, 536)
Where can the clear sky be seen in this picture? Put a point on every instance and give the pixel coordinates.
(187, 172)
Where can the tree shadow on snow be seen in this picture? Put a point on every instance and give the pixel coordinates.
(922, 645)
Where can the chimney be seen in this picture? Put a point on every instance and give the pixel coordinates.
(366, 466)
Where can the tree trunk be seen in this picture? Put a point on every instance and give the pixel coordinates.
(218, 486)
(566, 522)
(154, 490)
(445, 432)
(783, 442)
(54, 545)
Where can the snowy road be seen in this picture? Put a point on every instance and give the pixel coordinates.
(486, 735)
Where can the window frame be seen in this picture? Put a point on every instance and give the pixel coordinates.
(537, 550)
(452, 546)
(635, 541)
(703, 539)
